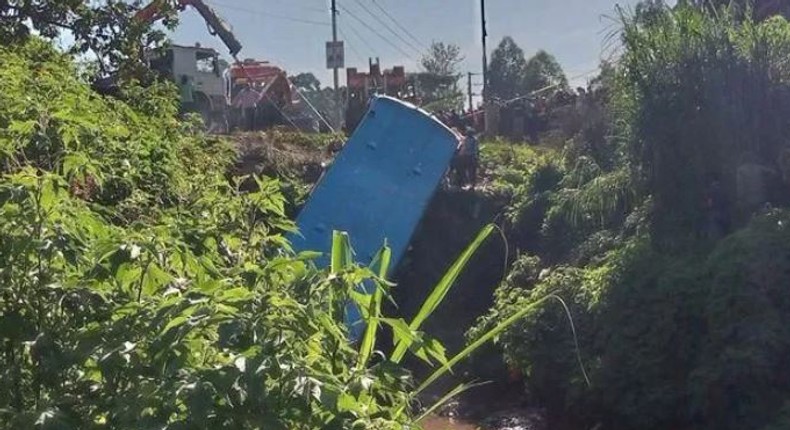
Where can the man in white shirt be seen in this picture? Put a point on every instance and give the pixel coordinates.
(247, 101)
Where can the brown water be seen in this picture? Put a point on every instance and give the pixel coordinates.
(441, 423)
(516, 419)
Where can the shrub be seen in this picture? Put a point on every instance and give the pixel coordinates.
(142, 288)
(677, 330)
(709, 93)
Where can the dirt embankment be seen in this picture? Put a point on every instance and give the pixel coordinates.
(281, 155)
(297, 160)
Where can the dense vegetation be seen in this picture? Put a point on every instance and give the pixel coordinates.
(676, 278)
(141, 288)
(146, 284)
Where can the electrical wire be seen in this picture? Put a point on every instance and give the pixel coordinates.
(386, 26)
(536, 92)
(268, 14)
(374, 31)
(290, 3)
(398, 24)
(360, 37)
(360, 57)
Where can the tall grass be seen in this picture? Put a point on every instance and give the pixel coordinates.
(706, 91)
(408, 336)
(440, 291)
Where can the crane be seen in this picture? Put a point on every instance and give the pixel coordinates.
(152, 13)
(212, 89)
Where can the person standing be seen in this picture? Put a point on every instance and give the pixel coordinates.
(458, 164)
(186, 92)
(469, 152)
(247, 101)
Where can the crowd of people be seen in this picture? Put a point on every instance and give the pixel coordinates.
(462, 121)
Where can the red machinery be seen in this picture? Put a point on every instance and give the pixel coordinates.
(362, 86)
(152, 13)
(213, 92)
(269, 80)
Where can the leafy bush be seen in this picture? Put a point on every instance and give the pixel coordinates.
(698, 82)
(141, 288)
(669, 341)
(741, 380)
(144, 286)
(675, 329)
(508, 165)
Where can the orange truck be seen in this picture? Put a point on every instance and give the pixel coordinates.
(212, 87)
(363, 86)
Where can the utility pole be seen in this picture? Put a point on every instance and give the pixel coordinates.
(485, 52)
(338, 107)
(469, 90)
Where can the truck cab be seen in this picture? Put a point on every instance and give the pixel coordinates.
(203, 69)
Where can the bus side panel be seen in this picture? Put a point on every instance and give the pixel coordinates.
(380, 183)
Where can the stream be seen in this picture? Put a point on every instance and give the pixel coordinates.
(513, 419)
(443, 423)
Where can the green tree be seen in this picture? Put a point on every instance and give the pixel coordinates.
(648, 11)
(442, 59)
(322, 99)
(543, 71)
(306, 82)
(325, 102)
(104, 29)
(512, 75)
(506, 70)
(761, 9)
(438, 84)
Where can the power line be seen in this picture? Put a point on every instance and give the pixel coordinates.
(306, 8)
(268, 14)
(360, 37)
(398, 24)
(385, 25)
(540, 91)
(374, 31)
(360, 57)
(549, 87)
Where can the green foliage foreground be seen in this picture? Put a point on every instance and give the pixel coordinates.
(141, 288)
(678, 326)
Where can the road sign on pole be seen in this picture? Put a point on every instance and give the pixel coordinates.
(335, 55)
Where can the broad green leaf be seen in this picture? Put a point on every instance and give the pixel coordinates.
(401, 332)
(174, 323)
(440, 290)
(238, 294)
(155, 279)
(339, 251)
(485, 338)
(128, 274)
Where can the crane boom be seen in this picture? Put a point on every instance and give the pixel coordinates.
(151, 13)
